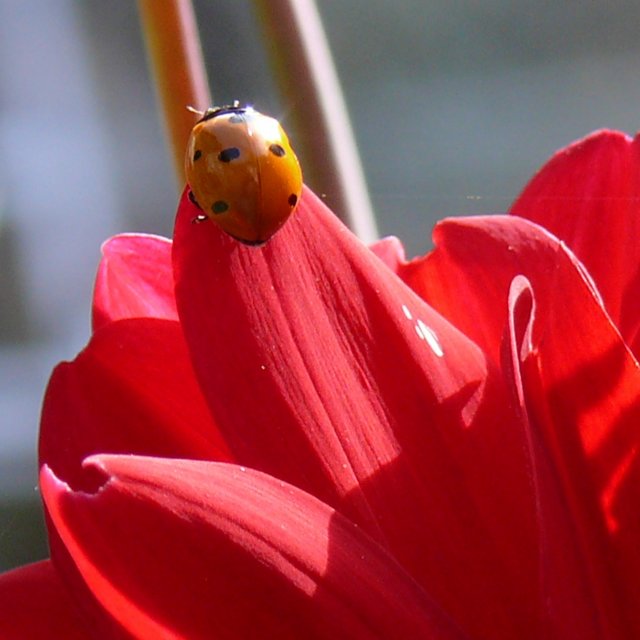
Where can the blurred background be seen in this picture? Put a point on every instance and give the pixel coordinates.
(455, 104)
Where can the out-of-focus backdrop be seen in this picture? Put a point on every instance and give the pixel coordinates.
(454, 103)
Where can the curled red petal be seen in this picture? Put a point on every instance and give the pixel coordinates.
(568, 598)
(322, 368)
(34, 604)
(586, 400)
(585, 392)
(135, 280)
(588, 195)
(198, 550)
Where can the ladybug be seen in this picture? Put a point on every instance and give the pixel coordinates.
(242, 172)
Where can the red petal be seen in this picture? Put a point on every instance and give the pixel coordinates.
(476, 303)
(589, 196)
(569, 601)
(134, 280)
(589, 407)
(584, 396)
(195, 550)
(132, 390)
(323, 369)
(34, 605)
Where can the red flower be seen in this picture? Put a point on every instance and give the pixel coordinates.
(298, 444)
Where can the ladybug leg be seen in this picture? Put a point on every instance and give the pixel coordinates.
(193, 200)
(200, 217)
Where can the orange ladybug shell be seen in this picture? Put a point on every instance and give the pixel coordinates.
(243, 172)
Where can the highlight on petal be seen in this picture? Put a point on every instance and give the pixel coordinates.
(195, 549)
(132, 390)
(391, 251)
(135, 280)
(34, 605)
(323, 369)
(588, 195)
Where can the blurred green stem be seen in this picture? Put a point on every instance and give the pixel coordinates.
(176, 62)
(299, 48)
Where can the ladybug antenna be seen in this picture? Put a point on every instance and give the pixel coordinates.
(194, 110)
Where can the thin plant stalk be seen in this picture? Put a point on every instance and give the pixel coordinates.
(177, 64)
(298, 45)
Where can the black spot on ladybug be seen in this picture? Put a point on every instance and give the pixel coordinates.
(236, 118)
(219, 206)
(293, 198)
(197, 155)
(277, 150)
(227, 155)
